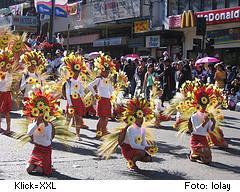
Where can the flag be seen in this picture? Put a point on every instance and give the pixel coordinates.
(16, 9)
(61, 8)
(43, 6)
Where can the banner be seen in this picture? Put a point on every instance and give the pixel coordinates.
(43, 6)
(112, 10)
(61, 8)
(16, 9)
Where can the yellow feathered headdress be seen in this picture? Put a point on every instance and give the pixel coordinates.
(104, 63)
(137, 108)
(75, 63)
(35, 58)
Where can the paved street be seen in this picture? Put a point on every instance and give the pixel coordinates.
(81, 162)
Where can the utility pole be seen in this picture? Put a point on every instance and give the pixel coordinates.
(68, 35)
(51, 23)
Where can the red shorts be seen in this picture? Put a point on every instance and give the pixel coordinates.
(129, 153)
(42, 157)
(104, 107)
(5, 102)
(78, 105)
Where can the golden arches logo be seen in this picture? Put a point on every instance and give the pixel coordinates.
(188, 19)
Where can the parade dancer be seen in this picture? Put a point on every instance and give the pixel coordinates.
(200, 123)
(198, 106)
(74, 91)
(134, 139)
(7, 64)
(103, 92)
(41, 159)
(35, 63)
(5, 97)
(47, 122)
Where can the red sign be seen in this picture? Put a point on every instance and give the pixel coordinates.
(213, 17)
(175, 21)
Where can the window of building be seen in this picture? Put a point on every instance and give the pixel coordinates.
(219, 4)
(172, 7)
(233, 3)
(183, 5)
(207, 5)
(195, 5)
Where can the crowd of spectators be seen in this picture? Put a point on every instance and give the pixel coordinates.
(143, 73)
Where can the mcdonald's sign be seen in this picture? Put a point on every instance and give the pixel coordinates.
(188, 19)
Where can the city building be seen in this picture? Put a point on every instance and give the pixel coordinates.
(120, 27)
(223, 26)
(18, 15)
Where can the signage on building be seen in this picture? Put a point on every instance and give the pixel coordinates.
(110, 42)
(5, 21)
(141, 26)
(111, 10)
(213, 17)
(25, 28)
(225, 36)
(84, 39)
(153, 41)
(30, 21)
(221, 15)
(188, 19)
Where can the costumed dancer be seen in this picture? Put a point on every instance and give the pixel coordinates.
(47, 122)
(199, 107)
(201, 123)
(11, 46)
(6, 79)
(103, 92)
(135, 141)
(75, 91)
(35, 63)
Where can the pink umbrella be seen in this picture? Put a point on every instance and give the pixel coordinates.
(93, 55)
(132, 57)
(207, 60)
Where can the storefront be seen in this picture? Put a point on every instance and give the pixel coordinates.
(115, 46)
(84, 41)
(222, 26)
